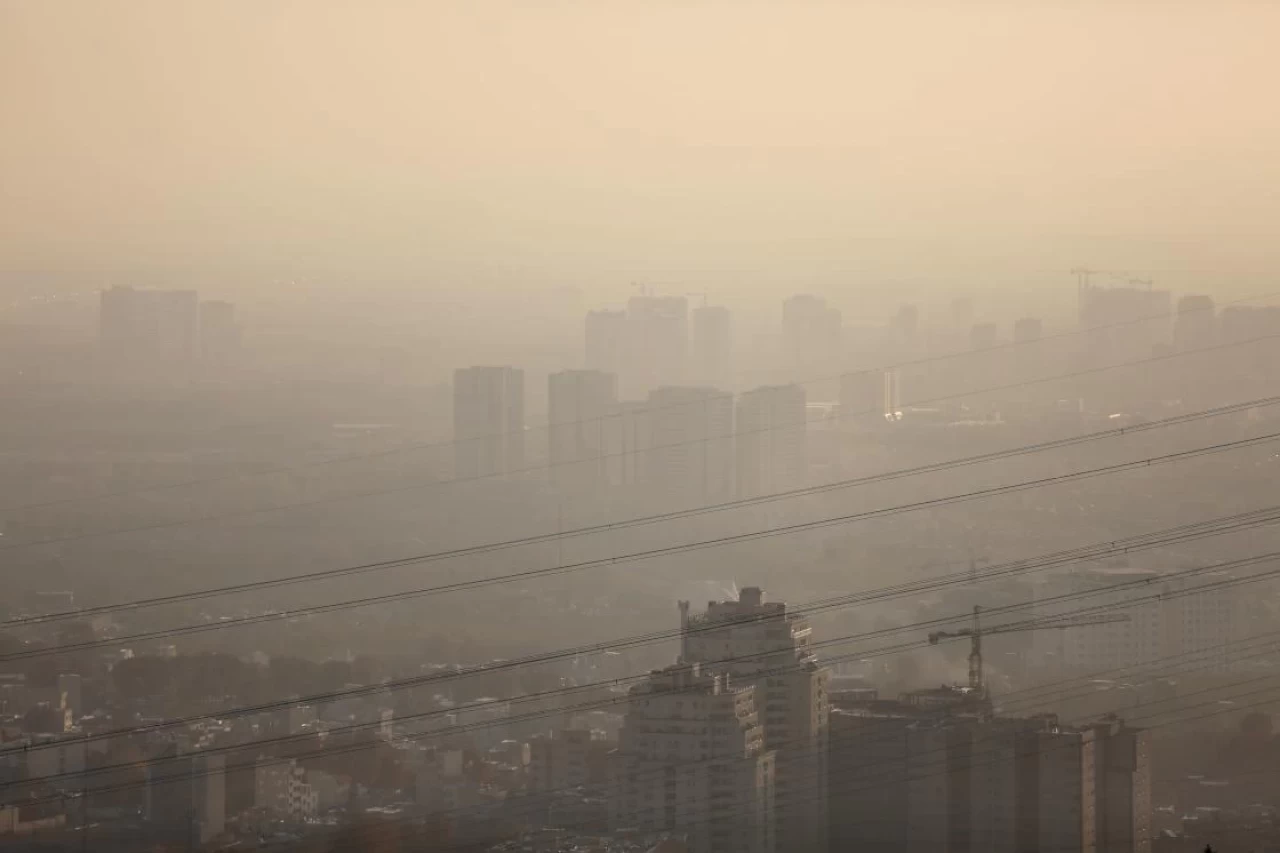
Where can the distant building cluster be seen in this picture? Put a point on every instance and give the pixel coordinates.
(147, 333)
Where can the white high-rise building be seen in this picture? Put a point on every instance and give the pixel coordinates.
(760, 643)
(690, 451)
(488, 421)
(580, 402)
(692, 761)
(771, 440)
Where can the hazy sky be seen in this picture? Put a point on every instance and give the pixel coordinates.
(747, 145)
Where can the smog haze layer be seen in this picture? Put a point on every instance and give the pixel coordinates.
(749, 148)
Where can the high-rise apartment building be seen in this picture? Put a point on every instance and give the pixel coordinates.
(1126, 323)
(627, 442)
(692, 761)
(983, 336)
(690, 451)
(187, 792)
(657, 343)
(559, 762)
(149, 331)
(1027, 329)
(1198, 382)
(580, 402)
(1246, 322)
(906, 322)
(606, 341)
(1247, 370)
(869, 396)
(281, 791)
(771, 435)
(1196, 325)
(712, 345)
(488, 421)
(761, 643)
(811, 330)
(1122, 758)
(1205, 623)
(931, 779)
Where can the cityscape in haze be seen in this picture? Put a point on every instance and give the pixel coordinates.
(639, 428)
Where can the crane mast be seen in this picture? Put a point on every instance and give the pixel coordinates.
(975, 634)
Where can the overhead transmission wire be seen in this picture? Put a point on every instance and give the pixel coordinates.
(477, 583)
(721, 760)
(360, 747)
(1208, 651)
(861, 737)
(1044, 621)
(475, 550)
(816, 791)
(859, 774)
(439, 483)
(917, 362)
(1178, 534)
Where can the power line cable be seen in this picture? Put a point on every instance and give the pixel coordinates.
(655, 448)
(1044, 621)
(477, 583)
(1177, 534)
(492, 547)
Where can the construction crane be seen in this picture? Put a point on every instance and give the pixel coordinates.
(976, 632)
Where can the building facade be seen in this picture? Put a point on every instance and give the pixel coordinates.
(488, 421)
(690, 452)
(760, 643)
(580, 403)
(692, 761)
(771, 440)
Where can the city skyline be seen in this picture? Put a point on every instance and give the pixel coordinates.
(668, 427)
